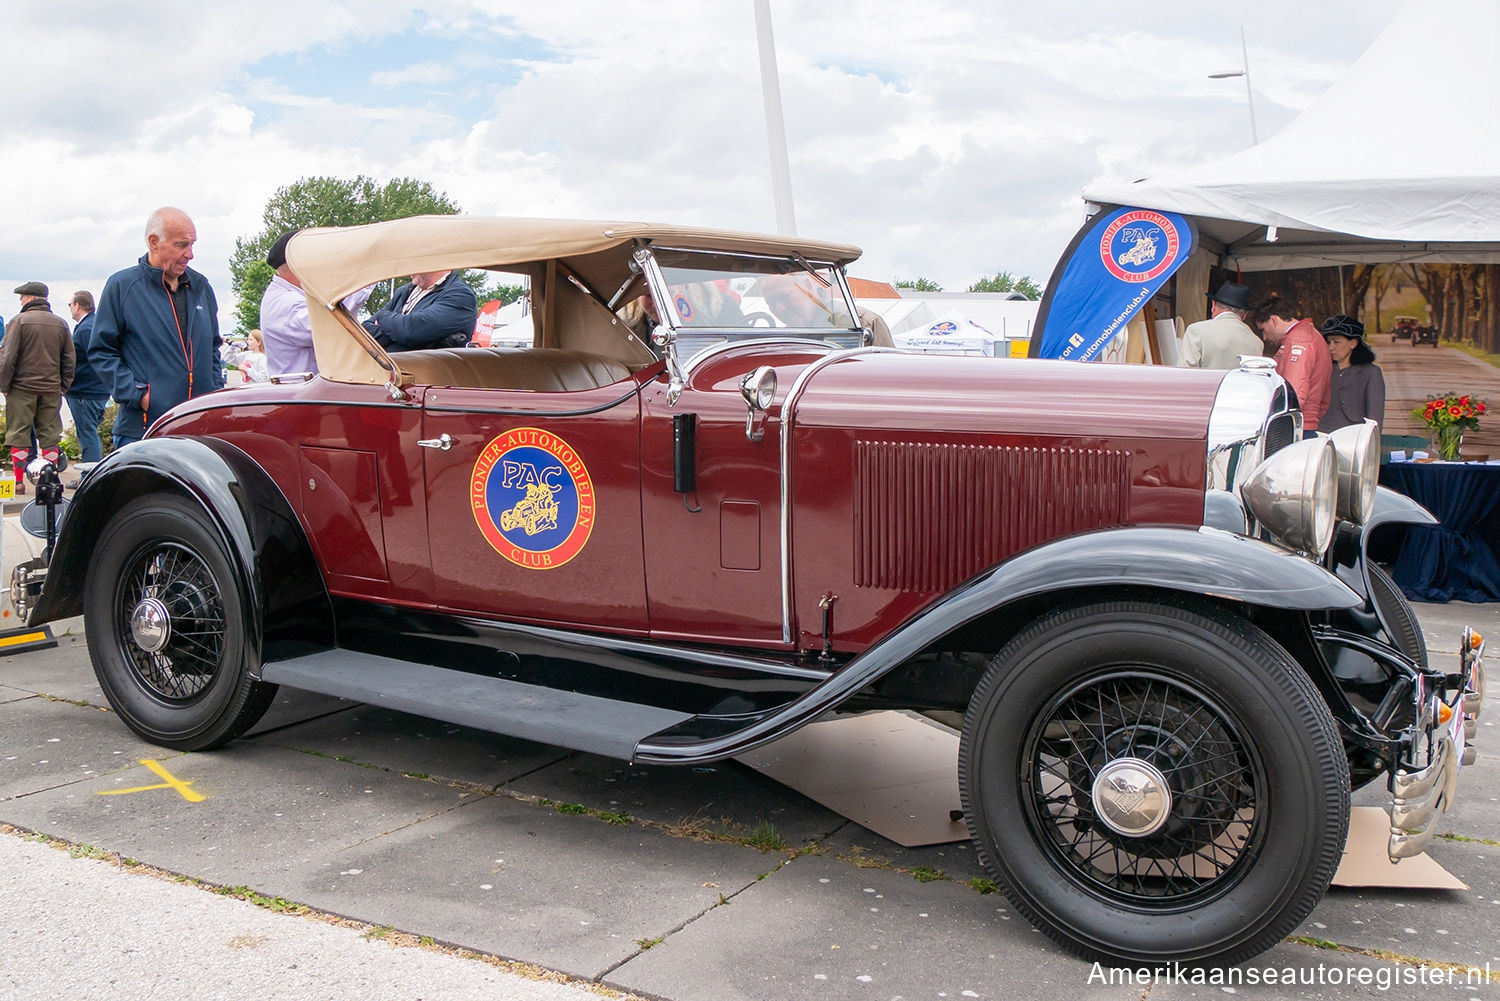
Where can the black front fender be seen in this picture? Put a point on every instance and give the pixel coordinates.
(1350, 554)
(277, 573)
(1201, 561)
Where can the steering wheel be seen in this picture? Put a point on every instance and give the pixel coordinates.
(759, 319)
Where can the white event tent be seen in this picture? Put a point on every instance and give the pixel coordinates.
(1398, 160)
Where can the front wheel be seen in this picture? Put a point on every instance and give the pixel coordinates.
(1150, 784)
(166, 627)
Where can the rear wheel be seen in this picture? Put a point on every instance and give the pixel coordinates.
(166, 627)
(1150, 784)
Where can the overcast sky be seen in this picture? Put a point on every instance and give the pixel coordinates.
(949, 140)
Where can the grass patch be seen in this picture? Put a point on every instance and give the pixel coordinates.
(1316, 943)
(80, 703)
(338, 757)
(1488, 357)
(1450, 836)
(278, 905)
(647, 943)
(1463, 970)
(980, 884)
(89, 851)
(617, 817)
(927, 874)
(862, 859)
(379, 933)
(765, 837)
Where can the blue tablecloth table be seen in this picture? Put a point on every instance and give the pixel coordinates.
(1456, 557)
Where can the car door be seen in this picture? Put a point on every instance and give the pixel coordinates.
(533, 502)
(713, 566)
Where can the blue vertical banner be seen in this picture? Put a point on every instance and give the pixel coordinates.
(1117, 262)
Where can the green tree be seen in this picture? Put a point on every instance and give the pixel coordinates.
(1004, 281)
(325, 201)
(507, 294)
(919, 284)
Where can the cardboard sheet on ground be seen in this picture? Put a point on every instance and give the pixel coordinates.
(893, 773)
(898, 776)
(1366, 864)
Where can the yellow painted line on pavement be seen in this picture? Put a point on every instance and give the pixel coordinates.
(171, 782)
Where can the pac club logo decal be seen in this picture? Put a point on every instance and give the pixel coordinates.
(532, 498)
(1139, 246)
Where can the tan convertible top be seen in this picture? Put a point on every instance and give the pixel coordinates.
(333, 262)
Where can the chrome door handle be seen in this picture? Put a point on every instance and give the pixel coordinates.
(442, 442)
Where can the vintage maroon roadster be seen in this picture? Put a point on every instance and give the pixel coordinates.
(675, 542)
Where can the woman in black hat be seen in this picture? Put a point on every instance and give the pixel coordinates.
(1358, 387)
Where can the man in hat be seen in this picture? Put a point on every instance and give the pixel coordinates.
(1358, 387)
(156, 333)
(285, 327)
(1302, 357)
(1218, 341)
(36, 369)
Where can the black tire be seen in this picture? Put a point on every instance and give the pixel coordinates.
(1259, 812)
(195, 691)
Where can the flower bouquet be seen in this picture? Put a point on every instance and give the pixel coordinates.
(1446, 418)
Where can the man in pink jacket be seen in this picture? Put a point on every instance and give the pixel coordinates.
(1302, 357)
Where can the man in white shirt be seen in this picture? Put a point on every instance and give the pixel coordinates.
(284, 324)
(1219, 341)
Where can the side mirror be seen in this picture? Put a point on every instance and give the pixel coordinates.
(758, 387)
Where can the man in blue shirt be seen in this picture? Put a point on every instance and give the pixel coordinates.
(88, 395)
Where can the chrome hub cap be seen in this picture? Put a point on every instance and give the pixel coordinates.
(1131, 796)
(150, 625)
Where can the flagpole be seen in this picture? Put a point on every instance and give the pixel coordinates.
(770, 85)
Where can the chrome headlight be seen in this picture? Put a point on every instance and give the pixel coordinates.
(1293, 494)
(1357, 448)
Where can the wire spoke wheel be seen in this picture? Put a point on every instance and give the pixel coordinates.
(1152, 783)
(169, 628)
(1144, 789)
(172, 621)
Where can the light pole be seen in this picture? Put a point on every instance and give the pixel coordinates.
(1243, 71)
(770, 83)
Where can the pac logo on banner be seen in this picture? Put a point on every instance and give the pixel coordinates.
(532, 498)
(1118, 260)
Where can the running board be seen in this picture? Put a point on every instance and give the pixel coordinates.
(532, 712)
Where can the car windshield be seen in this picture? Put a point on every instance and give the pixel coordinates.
(710, 290)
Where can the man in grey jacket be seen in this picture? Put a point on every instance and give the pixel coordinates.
(1219, 341)
(36, 369)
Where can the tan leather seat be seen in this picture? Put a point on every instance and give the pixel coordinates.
(542, 370)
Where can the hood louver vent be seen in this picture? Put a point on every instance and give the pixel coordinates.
(928, 517)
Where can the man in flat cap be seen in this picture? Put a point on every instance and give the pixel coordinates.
(36, 369)
(156, 332)
(284, 324)
(1218, 341)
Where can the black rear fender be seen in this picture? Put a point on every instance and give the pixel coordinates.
(276, 572)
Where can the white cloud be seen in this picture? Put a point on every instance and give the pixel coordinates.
(948, 139)
(425, 73)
